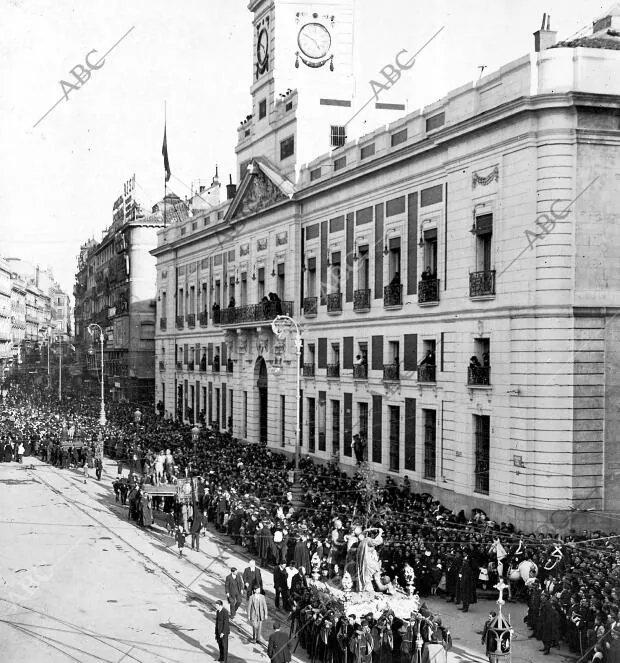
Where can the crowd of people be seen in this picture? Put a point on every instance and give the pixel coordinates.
(571, 582)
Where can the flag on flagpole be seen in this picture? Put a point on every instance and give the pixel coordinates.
(164, 152)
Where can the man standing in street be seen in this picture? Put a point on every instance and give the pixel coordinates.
(280, 586)
(252, 576)
(196, 527)
(222, 630)
(234, 591)
(278, 648)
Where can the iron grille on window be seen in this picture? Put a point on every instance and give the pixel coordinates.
(338, 136)
(180, 322)
(480, 375)
(426, 373)
(391, 372)
(430, 448)
(203, 318)
(361, 300)
(360, 371)
(482, 283)
(394, 438)
(191, 320)
(333, 370)
(190, 366)
(482, 453)
(310, 305)
(308, 370)
(334, 302)
(428, 291)
(393, 295)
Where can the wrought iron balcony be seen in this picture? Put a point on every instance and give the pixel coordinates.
(426, 373)
(391, 372)
(216, 315)
(190, 365)
(361, 300)
(163, 324)
(215, 366)
(479, 375)
(334, 302)
(308, 370)
(482, 284)
(310, 306)
(203, 367)
(360, 371)
(254, 313)
(203, 319)
(393, 295)
(428, 291)
(229, 366)
(180, 322)
(162, 365)
(179, 365)
(333, 370)
(191, 320)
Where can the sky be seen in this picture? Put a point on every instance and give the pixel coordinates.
(60, 178)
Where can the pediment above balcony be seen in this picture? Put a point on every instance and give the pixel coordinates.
(261, 188)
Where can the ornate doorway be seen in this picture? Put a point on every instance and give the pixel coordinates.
(260, 372)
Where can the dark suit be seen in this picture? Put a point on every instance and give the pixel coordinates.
(222, 630)
(281, 588)
(249, 578)
(278, 648)
(234, 592)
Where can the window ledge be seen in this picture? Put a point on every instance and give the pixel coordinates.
(310, 315)
(483, 387)
(361, 310)
(427, 383)
(334, 312)
(482, 298)
(393, 307)
(427, 304)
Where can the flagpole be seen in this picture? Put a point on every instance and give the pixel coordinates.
(165, 174)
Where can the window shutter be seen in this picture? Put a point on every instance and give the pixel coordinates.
(377, 441)
(322, 352)
(379, 251)
(223, 357)
(441, 341)
(301, 417)
(324, 262)
(185, 353)
(349, 254)
(209, 353)
(412, 243)
(348, 423)
(410, 420)
(484, 224)
(312, 264)
(347, 352)
(411, 352)
(377, 353)
(224, 399)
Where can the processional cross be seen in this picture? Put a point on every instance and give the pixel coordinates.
(500, 587)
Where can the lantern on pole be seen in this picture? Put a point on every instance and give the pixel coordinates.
(499, 631)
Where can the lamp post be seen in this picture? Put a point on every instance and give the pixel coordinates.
(91, 330)
(280, 325)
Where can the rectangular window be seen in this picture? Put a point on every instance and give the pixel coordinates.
(261, 283)
(482, 432)
(281, 282)
(410, 432)
(315, 174)
(311, 425)
(394, 414)
(262, 109)
(435, 121)
(287, 147)
(335, 271)
(340, 163)
(336, 224)
(363, 268)
(430, 444)
(322, 421)
(243, 294)
(398, 137)
(367, 151)
(484, 239)
(335, 427)
(394, 261)
(288, 106)
(431, 196)
(338, 136)
(311, 277)
(245, 414)
(377, 429)
(282, 420)
(363, 421)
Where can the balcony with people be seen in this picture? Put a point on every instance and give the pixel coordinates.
(428, 287)
(360, 367)
(479, 372)
(267, 309)
(393, 292)
(427, 367)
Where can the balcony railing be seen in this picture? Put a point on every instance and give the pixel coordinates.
(333, 370)
(391, 372)
(215, 366)
(191, 320)
(180, 322)
(426, 373)
(308, 370)
(361, 300)
(215, 314)
(162, 365)
(253, 313)
(360, 371)
(229, 366)
(190, 365)
(482, 284)
(393, 295)
(203, 319)
(480, 375)
(428, 291)
(203, 367)
(163, 324)
(179, 365)
(334, 302)
(310, 306)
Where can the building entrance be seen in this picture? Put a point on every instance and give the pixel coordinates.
(260, 371)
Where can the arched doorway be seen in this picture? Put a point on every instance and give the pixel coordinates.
(260, 372)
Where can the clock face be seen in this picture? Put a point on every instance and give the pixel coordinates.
(314, 40)
(262, 47)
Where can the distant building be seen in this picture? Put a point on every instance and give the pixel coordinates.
(115, 288)
(6, 339)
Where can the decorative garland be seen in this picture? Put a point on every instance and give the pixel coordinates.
(484, 181)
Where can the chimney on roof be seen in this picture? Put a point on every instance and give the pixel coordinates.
(231, 189)
(545, 37)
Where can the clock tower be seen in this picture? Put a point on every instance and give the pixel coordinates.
(303, 82)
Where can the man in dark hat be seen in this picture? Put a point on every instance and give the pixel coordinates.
(234, 591)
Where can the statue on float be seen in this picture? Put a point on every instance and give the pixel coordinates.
(368, 562)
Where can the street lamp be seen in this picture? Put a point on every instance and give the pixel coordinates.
(91, 330)
(280, 326)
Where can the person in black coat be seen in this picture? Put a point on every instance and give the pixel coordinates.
(222, 630)
(278, 648)
(465, 584)
(234, 590)
(280, 586)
